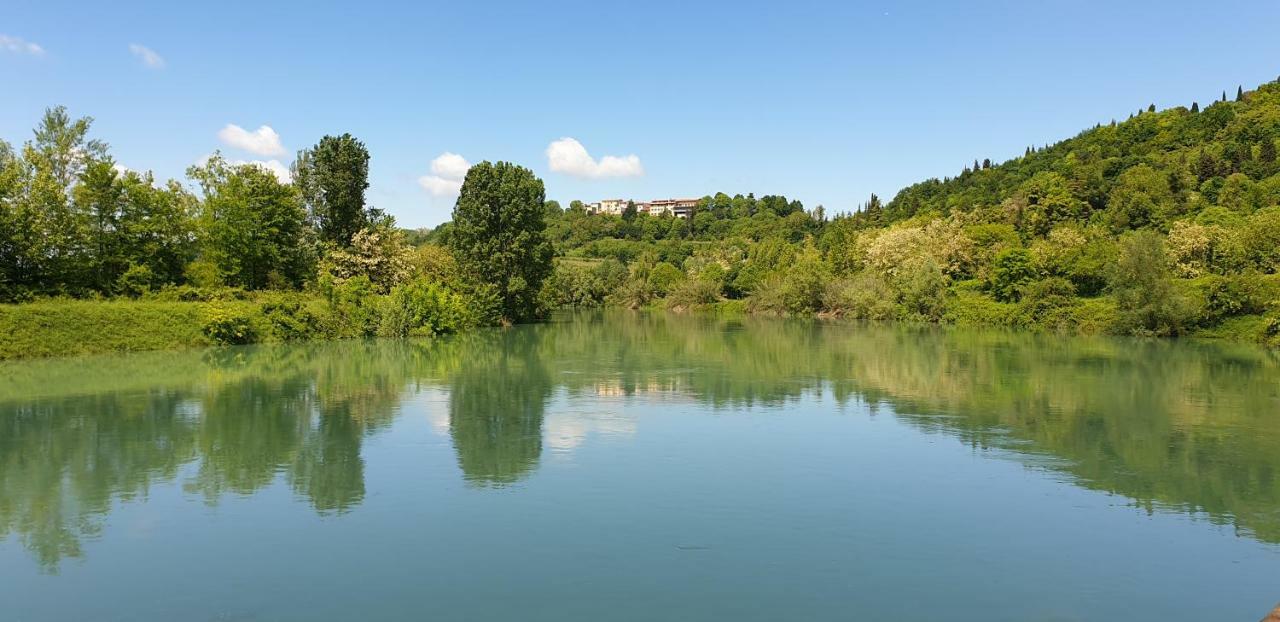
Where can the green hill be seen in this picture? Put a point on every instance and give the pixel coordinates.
(1166, 223)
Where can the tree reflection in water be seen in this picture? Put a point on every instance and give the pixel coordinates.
(1175, 426)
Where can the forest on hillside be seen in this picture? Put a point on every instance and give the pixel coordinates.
(1165, 223)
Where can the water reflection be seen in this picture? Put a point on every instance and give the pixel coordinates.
(497, 399)
(1172, 426)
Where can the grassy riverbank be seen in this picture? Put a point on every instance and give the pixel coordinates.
(64, 327)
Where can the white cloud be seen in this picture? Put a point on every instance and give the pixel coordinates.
(568, 156)
(440, 186)
(450, 166)
(275, 167)
(262, 141)
(17, 45)
(448, 170)
(147, 56)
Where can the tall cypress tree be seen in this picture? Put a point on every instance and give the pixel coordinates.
(1195, 106)
(1239, 93)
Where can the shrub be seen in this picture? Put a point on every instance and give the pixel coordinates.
(665, 277)
(863, 296)
(354, 307)
(633, 294)
(188, 293)
(423, 308)
(1048, 303)
(227, 327)
(798, 288)
(1220, 297)
(1013, 269)
(971, 308)
(436, 263)
(1146, 298)
(376, 253)
(203, 274)
(575, 284)
(922, 290)
(289, 319)
(694, 292)
(135, 281)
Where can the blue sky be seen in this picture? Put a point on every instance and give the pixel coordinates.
(826, 102)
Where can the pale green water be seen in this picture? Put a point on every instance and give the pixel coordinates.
(647, 467)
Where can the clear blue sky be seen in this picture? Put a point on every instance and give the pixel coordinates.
(822, 101)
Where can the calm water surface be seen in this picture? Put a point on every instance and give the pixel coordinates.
(647, 467)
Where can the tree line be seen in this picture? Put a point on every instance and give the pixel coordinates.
(1166, 223)
(75, 224)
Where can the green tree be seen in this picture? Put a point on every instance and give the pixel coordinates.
(253, 227)
(499, 235)
(1145, 295)
(331, 178)
(1013, 270)
(1141, 198)
(1267, 150)
(1048, 199)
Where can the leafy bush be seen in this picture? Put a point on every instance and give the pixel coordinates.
(424, 308)
(188, 293)
(922, 290)
(228, 327)
(665, 277)
(972, 308)
(694, 292)
(1147, 300)
(1013, 269)
(1049, 303)
(576, 284)
(797, 289)
(863, 296)
(289, 319)
(354, 307)
(135, 281)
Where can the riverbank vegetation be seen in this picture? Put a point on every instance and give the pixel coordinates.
(1167, 223)
(94, 257)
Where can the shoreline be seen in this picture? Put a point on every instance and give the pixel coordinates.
(51, 329)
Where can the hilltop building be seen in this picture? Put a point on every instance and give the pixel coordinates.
(680, 208)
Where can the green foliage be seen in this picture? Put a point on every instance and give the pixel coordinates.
(254, 226)
(64, 327)
(331, 178)
(1013, 269)
(693, 293)
(355, 309)
(499, 235)
(863, 296)
(583, 284)
(423, 308)
(1149, 303)
(799, 288)
(225, 326)
(1048, 303)
(377, 253)
(135, 281)
(664, 278)
(290, 319)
